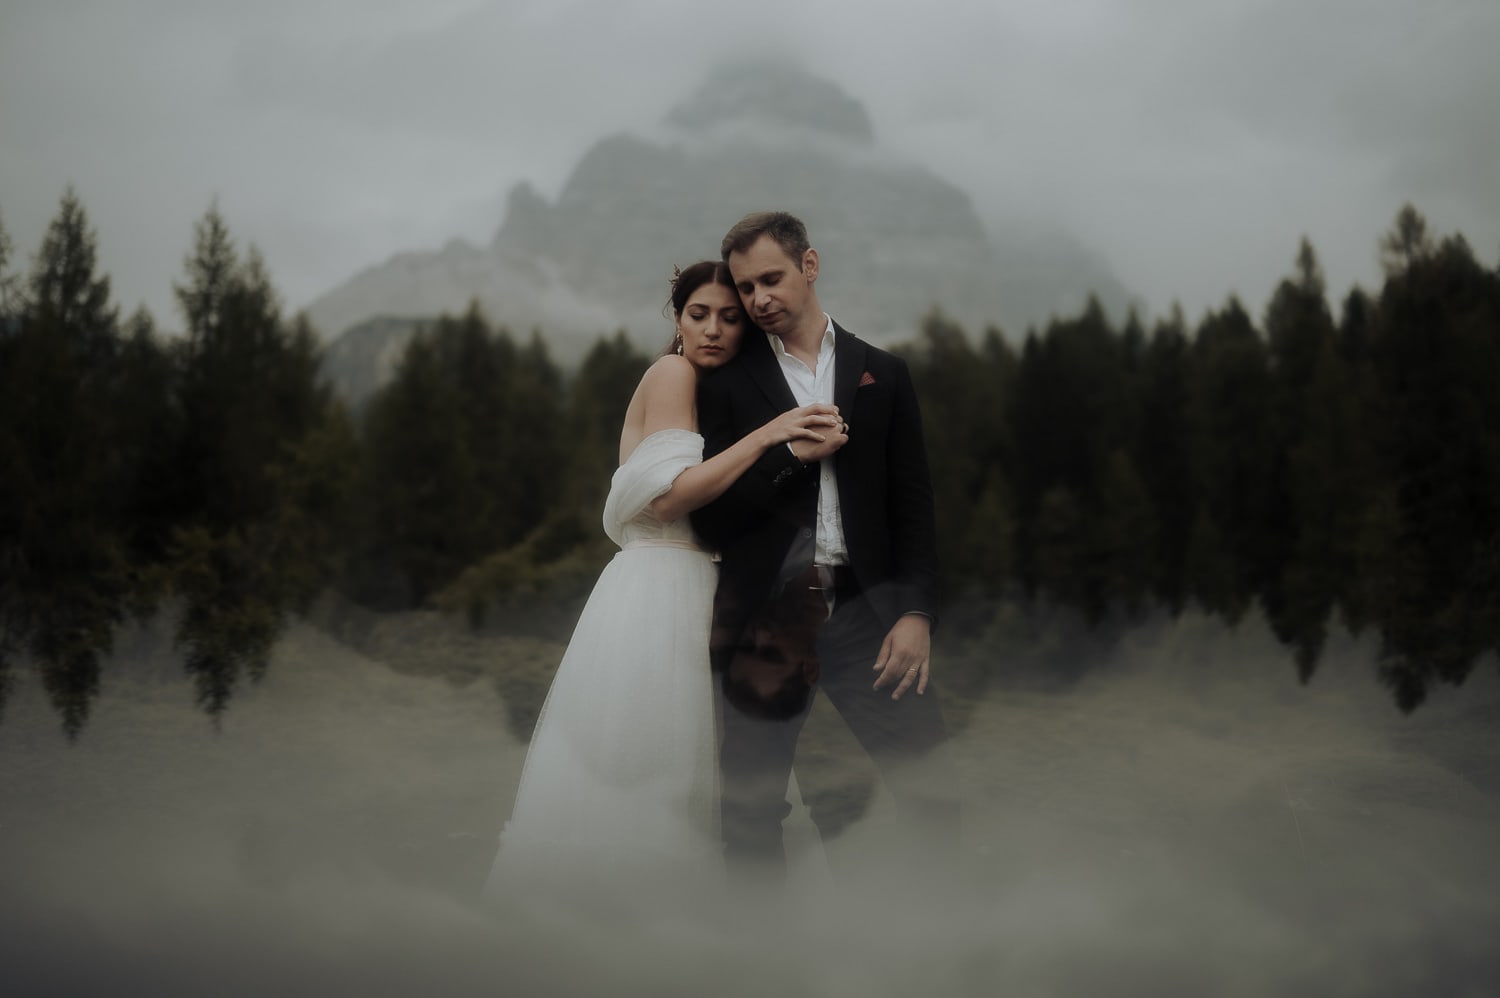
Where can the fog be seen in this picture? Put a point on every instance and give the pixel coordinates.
(1184, 818)
(1191, 145)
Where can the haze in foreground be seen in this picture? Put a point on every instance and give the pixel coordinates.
(1183, 819)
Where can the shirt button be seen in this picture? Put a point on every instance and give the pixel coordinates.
(806, 531)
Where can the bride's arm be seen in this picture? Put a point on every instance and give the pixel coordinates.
(668, 394)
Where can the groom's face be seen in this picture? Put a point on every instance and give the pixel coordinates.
(777, 291)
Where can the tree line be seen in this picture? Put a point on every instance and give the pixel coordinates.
(1327, 469)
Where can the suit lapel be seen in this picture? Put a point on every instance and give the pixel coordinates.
(848, 365)
(761, 365)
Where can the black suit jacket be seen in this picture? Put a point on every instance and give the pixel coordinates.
(885, 491)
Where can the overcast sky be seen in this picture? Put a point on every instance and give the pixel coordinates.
(1191, 143)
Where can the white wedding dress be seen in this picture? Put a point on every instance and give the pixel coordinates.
(619, 793)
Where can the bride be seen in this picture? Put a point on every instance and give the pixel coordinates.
(619, 791)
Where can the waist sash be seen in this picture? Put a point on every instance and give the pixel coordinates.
(662, 542)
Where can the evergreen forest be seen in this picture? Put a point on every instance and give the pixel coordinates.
(1328, 464)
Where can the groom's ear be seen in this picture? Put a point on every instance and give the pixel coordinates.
(810, 265)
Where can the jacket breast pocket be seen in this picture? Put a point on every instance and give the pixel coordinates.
(872, 409)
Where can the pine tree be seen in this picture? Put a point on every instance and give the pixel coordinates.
(987, 562)
(1359, 453)
(259, 436)
(595, 412)
(1163, 454)
(11, 457)
(66, 584)
(1062, 556)
(1075, 406)
(1299, 587)
(1232, 460)
(1209, 570)
(1407, 242)
(1127, 529)
(519, 448)
(1436, 364)
(149, 422)
(464, 456)
(417, 478)
(968, 395)
(12, 297)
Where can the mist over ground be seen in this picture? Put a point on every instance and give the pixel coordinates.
(1184, 818)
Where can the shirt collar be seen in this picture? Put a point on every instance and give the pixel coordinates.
(824, 349)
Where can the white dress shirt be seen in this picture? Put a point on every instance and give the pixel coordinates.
(809, 386)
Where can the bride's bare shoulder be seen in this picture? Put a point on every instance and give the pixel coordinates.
(664, 397)
(669, 374)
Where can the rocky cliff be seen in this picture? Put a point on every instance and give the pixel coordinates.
(894, 238)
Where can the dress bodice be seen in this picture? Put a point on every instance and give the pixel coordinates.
(647, 473)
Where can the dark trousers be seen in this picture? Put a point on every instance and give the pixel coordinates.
(899, 736)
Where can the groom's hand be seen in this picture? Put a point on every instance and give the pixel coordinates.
(904, 655)
(811, 451)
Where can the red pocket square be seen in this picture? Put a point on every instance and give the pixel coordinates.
(866, 379)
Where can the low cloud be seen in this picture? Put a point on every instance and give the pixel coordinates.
(1191, 145)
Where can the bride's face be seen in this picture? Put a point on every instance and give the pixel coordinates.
(711, 325)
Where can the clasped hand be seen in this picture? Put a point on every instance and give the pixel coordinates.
(814, 431)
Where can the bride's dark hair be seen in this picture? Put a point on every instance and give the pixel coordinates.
(686, 280)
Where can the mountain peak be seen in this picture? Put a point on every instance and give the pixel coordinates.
(895, 238)
(774, 92)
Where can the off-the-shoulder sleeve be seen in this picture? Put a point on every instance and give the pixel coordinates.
(647, 473)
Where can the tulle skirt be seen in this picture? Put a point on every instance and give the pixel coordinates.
(618, 798)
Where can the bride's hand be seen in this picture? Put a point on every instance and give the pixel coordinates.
(818, 422)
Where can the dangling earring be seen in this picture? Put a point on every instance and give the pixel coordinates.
(677, 345)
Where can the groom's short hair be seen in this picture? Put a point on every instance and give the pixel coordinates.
(787, 229)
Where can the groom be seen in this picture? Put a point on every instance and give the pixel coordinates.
(829, 554)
